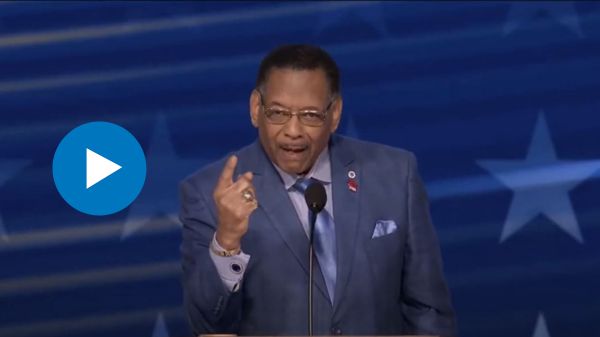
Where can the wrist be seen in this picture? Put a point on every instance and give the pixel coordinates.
(227, 243)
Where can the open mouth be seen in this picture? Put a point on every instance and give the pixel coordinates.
(293, 149)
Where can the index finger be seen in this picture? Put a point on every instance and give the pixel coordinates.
(226, 178)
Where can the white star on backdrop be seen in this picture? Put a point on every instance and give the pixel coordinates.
(372, 13)
(160, 327)
(563, 12)
(165, 169)
(8, 169)
(541, 330)
(541, 184)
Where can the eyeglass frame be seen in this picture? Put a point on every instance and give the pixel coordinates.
(292, 113)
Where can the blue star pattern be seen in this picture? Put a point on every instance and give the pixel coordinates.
(371, 13)
(541, 184)
(165, 169)
(541, 330)
(160, 327)
(563, 12)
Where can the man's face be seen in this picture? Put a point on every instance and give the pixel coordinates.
(294, 146)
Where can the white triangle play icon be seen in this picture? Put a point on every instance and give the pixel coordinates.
(97, 168)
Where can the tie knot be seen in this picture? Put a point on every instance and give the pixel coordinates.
(302, 184)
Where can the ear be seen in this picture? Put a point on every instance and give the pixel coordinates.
(336, 112)
(254, 107)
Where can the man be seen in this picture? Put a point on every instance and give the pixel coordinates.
(245, 222)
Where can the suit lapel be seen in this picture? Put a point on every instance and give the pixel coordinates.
(345, 210)
(273, 199)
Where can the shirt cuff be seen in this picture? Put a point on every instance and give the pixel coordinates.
(230, 268)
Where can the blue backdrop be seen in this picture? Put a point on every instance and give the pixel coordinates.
(500, 102)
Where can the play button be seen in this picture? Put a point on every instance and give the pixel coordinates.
(99, 168)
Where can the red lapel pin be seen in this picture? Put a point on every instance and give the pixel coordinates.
(352, 184)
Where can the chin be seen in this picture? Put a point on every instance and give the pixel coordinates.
(290, 169)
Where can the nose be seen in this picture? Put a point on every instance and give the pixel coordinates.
(293, 128)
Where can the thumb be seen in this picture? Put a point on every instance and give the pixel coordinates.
(248, 176)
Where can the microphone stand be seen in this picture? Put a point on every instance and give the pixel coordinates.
(312, 220)
(316, 198)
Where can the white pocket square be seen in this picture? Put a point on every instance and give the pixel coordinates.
(384, 227)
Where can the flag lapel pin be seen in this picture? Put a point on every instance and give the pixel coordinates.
(352, 184)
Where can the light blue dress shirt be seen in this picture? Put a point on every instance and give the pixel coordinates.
(231, 269)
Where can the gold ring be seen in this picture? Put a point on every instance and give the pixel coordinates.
(247, 195)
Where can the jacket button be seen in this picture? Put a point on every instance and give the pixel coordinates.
(336, 331)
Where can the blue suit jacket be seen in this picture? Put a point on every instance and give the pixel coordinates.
(391, 284)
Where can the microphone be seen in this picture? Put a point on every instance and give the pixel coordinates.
(316, 198)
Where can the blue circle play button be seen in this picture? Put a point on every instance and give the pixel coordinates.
(99, 168)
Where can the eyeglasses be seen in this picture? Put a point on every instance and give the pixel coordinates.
(308, 117)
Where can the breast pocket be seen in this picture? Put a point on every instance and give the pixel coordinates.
(385, 255)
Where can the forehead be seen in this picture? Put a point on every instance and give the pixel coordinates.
(296, 87)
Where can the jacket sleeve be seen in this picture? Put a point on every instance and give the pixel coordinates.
(210, 306)
(426, 300)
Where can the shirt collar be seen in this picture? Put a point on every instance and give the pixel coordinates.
(320, 171)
